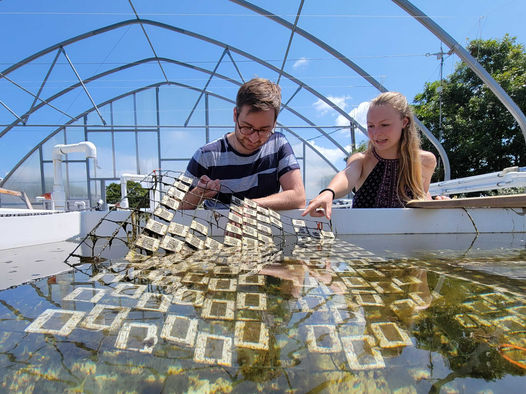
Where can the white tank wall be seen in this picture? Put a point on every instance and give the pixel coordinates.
(18, 231)
(22, 227)
(24, 230)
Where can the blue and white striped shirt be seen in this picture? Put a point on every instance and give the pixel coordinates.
(244, 175)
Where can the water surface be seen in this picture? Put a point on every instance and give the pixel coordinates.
(360, 313)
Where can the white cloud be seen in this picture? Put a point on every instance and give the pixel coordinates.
(301, 62)
(322, 107)
(319, 172)
(358, 113)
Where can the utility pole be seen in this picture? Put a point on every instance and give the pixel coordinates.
(440, 56)
(353, 137)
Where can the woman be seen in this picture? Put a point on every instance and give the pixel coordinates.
(392, 171)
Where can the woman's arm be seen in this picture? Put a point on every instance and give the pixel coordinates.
(341, 184)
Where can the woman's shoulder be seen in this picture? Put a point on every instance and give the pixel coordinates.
(358, 156)
(428, 159)
(357, 162)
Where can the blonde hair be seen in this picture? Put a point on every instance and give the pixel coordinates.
(410, 165)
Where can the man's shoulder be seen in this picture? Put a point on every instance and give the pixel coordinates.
(218, 145)
(280, 137)
(276, 142)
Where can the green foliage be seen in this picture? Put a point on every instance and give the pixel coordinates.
(362, 147)
(113, 193)
(479, 134)
(137, 195)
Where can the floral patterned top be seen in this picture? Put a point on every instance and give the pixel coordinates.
(380, 189)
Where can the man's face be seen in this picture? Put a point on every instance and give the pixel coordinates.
(253, 129)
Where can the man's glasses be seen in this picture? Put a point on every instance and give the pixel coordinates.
(248, 130)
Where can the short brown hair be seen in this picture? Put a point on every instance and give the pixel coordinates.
(261, 95)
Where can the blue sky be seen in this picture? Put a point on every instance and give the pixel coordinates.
(377, 35)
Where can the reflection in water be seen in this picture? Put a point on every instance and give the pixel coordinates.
(312, 316)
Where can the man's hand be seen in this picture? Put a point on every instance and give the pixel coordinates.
(206, 187)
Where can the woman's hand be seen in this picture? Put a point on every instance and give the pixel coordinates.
(320, 206)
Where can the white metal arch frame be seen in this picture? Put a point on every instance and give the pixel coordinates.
(441, 34)
(164, 60)
(59, 48)
(406, 5)
(133, 92)
(210, 40)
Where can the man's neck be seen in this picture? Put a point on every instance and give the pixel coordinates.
(234, 142)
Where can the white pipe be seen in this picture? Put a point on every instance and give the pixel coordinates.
(59, 152)
(509, 177)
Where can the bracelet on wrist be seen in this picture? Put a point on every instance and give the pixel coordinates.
(328, 190)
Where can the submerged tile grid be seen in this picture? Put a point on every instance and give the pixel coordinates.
(252, 301)
(510, 323)
(222, 284)
(346, 316)
(196, 278)
(107, 277)
(154, 302)
(390, 335)
(465, 321)
(241, 329)
(185, 338)
(185, 296)
(318, 333)
(202, 353)
(37, 326)
(360, 351)
(312, 304)
(369, 300)
(148, 341)
(78, 293)
(218, 309)
(480, 306)
(251, 280)
(99, 311)
(360, 347)
(386, 287)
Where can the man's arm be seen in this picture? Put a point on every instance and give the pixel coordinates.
(292, 195)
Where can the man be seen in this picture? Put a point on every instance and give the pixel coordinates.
(253, 161)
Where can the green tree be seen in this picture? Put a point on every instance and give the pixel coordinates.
(478, 133)
(362, 147)
(137, 195)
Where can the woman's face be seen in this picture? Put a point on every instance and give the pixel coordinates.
(384, 128)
